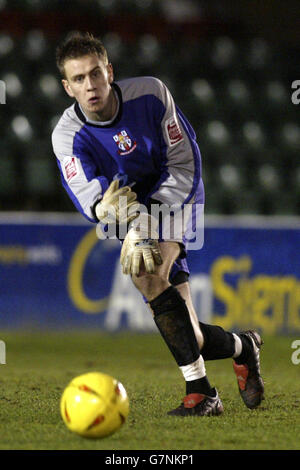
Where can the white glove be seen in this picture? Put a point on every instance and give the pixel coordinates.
(141, 244)
(118, 205)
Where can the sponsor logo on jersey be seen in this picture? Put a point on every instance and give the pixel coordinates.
(71, 168)
(125, 144)
(173, 131)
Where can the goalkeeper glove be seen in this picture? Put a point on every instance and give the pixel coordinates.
(118, 205)
(141, 244)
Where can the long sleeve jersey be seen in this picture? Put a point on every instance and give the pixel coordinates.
(149, 145)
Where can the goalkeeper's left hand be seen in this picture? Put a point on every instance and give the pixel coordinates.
(141, 244)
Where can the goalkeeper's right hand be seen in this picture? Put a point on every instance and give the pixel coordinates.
(118, 205)
(141, 244)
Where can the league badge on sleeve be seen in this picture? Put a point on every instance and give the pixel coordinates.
(70, 168)
(125, 144)
(173, 131)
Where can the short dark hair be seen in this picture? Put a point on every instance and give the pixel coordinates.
(76, 45)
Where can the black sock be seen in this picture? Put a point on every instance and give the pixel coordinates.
(247, 348)
(218, 343)
(172, 318)
(199, 386)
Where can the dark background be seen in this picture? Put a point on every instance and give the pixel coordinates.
(229, 65)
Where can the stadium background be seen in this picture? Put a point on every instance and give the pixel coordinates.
(231, 70)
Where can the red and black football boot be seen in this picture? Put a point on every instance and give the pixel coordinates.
(250, 382)
(196, 404)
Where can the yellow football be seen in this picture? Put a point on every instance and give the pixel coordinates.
(94, 405)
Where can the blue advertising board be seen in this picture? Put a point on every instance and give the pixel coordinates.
(56, 273)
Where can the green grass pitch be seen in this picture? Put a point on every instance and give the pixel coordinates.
(39, 366)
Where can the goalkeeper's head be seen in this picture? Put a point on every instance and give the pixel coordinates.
(77, 45)
(87, 75)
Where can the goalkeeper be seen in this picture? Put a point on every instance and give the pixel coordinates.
(123, 147)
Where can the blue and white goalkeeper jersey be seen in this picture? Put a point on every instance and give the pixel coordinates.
(150, 144)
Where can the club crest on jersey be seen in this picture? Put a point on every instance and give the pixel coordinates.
(125, 144)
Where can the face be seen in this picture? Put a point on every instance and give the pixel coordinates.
(88, 80)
